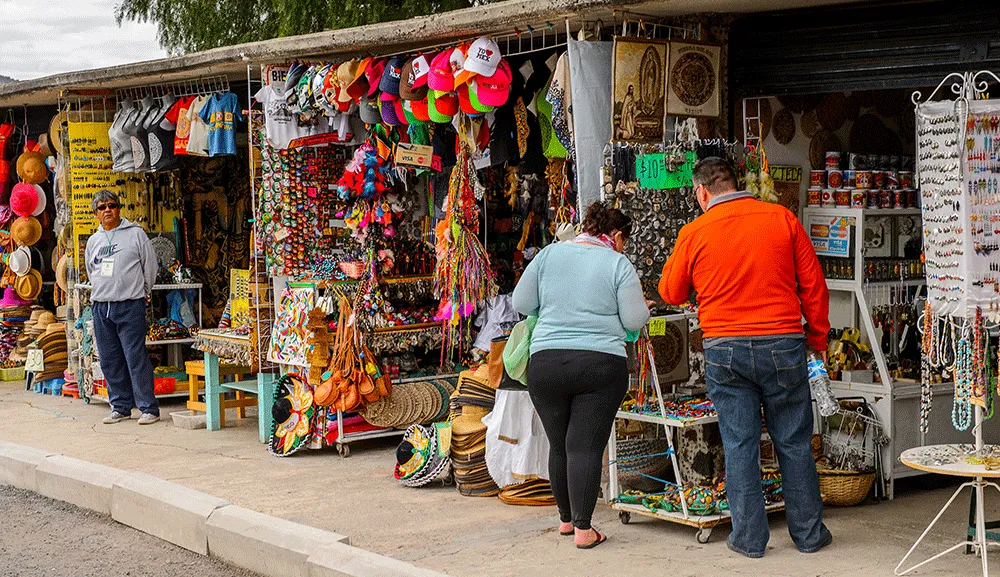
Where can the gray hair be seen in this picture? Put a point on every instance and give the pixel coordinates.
(103, 194)
(716, 174)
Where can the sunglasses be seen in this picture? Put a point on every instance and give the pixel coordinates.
(102, 207)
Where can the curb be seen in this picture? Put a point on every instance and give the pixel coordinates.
(196, 521)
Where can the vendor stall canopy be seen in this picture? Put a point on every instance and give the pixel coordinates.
(531, 18)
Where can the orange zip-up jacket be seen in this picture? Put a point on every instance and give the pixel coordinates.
(754, 270)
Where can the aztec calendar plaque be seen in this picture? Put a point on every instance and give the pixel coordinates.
(693, 80)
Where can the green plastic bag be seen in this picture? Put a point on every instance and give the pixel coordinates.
(518, 350)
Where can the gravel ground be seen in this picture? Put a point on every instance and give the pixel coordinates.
(46, 538)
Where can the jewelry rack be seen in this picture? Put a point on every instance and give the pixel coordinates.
(947, 157)
(196, 87)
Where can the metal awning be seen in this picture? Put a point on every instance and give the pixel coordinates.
(373, 39)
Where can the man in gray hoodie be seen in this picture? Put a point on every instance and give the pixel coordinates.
(121, 264)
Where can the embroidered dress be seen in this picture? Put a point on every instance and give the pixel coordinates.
(561, 98)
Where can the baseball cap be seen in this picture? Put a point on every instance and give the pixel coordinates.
(391, 76)
(388, 109)
(482, 59)
(445, 66)
(373, 74)
(436, 109)
(464, 103)
(358, 87)
(407, 88)
(411, 116)
(420, 109)
(346, 73)
(474, 99)
(421, 68)
(494, 90)
(368, 111)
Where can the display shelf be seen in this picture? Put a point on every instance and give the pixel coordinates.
(156, 287)
(704, 523)
(174, 395)
(847, 211)
(171, 341)
(847, 285)
(666, 421)
(404, 328)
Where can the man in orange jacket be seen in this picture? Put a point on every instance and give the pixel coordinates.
(756, 276)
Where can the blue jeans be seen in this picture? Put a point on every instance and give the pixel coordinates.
(120, 329)
(743, 374)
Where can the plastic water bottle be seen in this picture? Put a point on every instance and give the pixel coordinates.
(819, 384)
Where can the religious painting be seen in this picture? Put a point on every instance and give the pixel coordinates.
(694, 80)
(639, 84)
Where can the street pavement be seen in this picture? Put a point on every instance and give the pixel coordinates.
(46, 538)
(437, 528)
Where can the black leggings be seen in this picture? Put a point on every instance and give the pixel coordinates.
(577, 394)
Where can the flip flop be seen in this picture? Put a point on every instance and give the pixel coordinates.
(567, 533)
(600, 539)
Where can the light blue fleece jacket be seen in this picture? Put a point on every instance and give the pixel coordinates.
(135, 263)
(585, 298)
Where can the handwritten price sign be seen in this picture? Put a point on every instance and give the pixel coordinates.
(653, 172)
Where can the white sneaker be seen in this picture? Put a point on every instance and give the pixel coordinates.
(148, 419)
(115, 417)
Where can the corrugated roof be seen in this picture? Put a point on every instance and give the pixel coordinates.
(380, 38)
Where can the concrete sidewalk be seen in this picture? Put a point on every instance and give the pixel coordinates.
(436, 528)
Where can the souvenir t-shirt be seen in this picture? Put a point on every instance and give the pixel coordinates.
(198, 137)
(280, 123)
(178, 115)
(221, 113)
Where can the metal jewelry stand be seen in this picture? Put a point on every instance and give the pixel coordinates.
(952, 459)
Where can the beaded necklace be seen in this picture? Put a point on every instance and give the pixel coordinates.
(926, 348)
(978, 354)
(961, 411)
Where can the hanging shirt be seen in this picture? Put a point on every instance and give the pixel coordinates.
(121, 145)
(135, 128)
(198, 137)
(178, 115)
(561, 98)
(160, 134)
(280, 122)
(221, 113)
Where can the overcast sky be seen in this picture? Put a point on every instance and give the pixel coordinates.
(43, 37)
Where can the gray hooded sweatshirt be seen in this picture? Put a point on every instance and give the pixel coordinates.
(134, 270)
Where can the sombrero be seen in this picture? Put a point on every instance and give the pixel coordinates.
(536, 493)
(292, 414)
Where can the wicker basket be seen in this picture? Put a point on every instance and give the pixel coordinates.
(844, 488)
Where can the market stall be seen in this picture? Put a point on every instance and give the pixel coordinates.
(170, 153)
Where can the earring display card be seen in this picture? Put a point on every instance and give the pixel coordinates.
(943, 210)
(981, 163)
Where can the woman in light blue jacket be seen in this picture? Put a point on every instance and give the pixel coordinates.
(586, 295)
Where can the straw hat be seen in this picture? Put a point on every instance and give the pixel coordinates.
(31, 167)
(26, 230)
(62, 269)
(43, 201)
(19, 261)
(29, 286)
(56, 328)
(45, 319)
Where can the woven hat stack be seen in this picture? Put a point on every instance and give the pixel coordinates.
(409, 404)
(418, 457)
(534, 493)
(12, 321)
(473, 400)
(53, 345)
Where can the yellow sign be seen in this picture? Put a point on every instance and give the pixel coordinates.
(657, 327)
(239, 297)
(90, 171)
(786, 173)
